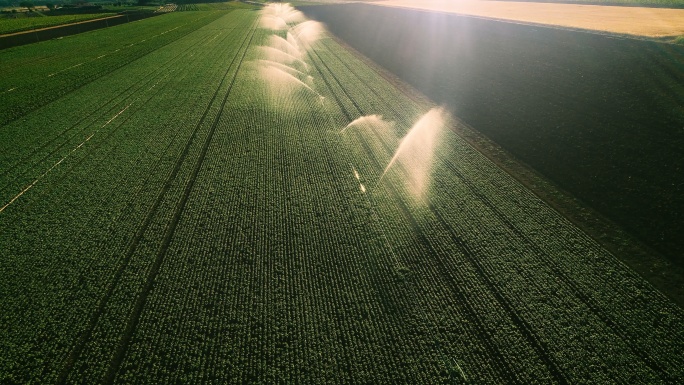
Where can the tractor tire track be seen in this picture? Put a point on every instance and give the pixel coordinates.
(93, 78)
(134, 318)
(503, 368)
(132, 89)
(522, 325)
(579, 292)
(76, 352)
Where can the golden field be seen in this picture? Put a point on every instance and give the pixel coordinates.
(638, 21)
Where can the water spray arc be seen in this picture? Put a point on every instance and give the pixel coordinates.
(282, 57)
(278, 16)
(291, 70)
(282, 67)
(282, 78)
(369, 121)
(416, 150)
(286, 45)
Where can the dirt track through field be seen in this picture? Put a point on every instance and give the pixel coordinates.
(651, 22)
(60, 25)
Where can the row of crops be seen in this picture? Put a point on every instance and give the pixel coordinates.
(35, 75)
(28, 23)
(206, 213)
(109, 166)
(536, 268)
(187, 7)
(600, 116)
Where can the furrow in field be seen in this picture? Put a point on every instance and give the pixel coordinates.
(116, 166)
(171, 227)
(372, 154)
(503, 208)
(35, 89)
(573, 289)
(132, 245)
(20, 160)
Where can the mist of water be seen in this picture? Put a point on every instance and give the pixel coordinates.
(282, 66)
(306, 78)
(416, 151)
(370, 121)
(274, 54)
(290, 47)
(281, 81)
(308, 32)
(278, 16)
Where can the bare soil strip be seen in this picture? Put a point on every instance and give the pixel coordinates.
(59, 31)
(636, 21)
(60, 26)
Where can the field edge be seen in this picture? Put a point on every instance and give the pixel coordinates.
(647, 262)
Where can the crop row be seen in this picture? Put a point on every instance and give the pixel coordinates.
(401, 229)
(36, 74)
(285, 285)
(145, 141)
(623, 325)
(30, 23)
(214, 230)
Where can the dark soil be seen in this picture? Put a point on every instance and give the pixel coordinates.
(601, 116)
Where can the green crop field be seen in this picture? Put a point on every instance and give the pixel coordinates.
(28, 23)
(234, 197)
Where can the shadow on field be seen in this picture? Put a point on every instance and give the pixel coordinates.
(59, 31)
(601, 116)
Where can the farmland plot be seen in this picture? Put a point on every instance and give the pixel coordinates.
(600, 116)
(226, 223)
(35, 75)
